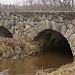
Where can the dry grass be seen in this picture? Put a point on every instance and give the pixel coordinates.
(68, 69)
(18, 46)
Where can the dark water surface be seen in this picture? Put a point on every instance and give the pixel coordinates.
(29, 65)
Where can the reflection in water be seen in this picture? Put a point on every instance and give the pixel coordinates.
(29, 65)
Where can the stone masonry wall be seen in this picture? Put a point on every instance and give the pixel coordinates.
(21, 24)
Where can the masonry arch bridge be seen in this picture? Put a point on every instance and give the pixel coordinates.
(19, 24)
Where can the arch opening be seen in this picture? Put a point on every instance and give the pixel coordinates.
(4, 32)
(51, 41)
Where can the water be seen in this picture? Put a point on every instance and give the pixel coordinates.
(29, 65)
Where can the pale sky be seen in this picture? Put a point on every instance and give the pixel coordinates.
(15, 1)
(10, 1)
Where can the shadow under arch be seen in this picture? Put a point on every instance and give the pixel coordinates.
(51, 41)
(4, 32)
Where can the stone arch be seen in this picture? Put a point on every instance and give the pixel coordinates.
(52, 41)
(4, 32)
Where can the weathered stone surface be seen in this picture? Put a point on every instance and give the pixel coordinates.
(50, 17)
(64, 29)
(73, 21)
(72, 39)
(74, 29)
(47, 24)
(32, 23)
(66, 22)
(70, 26)
(60, 19)
(43, 17)
(54, 26)
(68, 33)
(73, 50)
(27, 27)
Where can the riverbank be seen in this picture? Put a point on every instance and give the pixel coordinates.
(16, 47)
(68, 69)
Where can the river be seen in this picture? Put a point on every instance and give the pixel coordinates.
(29, 65)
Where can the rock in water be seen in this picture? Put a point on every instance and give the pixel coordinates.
(4, 32)
(52, 41)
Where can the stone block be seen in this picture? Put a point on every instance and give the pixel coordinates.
(68, 33)
(63, 29)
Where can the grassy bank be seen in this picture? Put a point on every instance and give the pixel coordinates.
(15, 47)
(68, 69)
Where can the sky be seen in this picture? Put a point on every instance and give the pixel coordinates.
(15, 1)
(10, 1)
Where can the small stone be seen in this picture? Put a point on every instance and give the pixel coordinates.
(69, 26)
(27, 27)
(14, 57)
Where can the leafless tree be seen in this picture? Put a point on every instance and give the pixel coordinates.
(41, 5)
